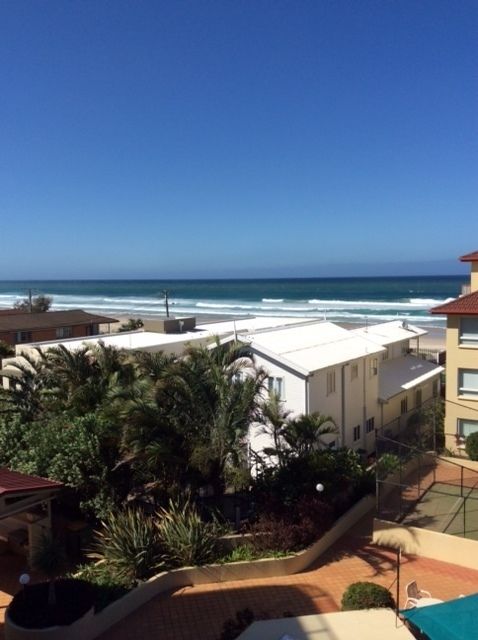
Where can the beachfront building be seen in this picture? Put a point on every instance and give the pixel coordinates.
(405, 382)
(461, 413)
(167, 340)
(363, 379)
(23, 327)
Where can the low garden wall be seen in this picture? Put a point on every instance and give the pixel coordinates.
(186, 576)
(426, 543)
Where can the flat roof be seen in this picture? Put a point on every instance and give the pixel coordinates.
(400, 374)
(368, 624)
(314, 346)
(141, 339)
(50, 320)
(387, 333)
(15, 482)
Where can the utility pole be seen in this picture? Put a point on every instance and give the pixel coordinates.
(30, 305)
(166, 301)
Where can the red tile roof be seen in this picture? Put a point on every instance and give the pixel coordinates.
(50, 320)
(470, 257)
(463, 306)
(15, 482)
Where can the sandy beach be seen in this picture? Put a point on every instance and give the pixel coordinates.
(434, 340)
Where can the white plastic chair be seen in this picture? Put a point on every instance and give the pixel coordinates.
(414, 594)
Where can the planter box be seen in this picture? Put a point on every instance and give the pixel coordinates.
(78, 630)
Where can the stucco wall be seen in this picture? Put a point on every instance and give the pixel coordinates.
(430, 544)
(458, 357)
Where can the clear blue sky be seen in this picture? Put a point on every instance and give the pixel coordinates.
(220, 138)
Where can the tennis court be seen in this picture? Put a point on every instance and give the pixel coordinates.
(448, 508)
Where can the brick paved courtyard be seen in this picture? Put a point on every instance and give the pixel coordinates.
(200, 612)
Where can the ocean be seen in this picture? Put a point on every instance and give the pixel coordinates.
(355, 300)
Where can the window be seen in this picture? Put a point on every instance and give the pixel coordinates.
(276, 385)
(465, 427)
(385, 355)
(23, 336)
(64, 332)
(357, 433)
(370, 425)
(435, 388)
(418, 398)
(330, 382)
(354, 371)
(404, 406)
(468, 382)
(332, 445)
(373, 367)
(469, 331)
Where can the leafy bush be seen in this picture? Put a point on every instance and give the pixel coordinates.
(270, 533)
(186, 539)
(242, 553)
(366, 595)
(106, 585)
(342, 471)
(387, 464)
(292, 529)
(129, 545)
(471, 446)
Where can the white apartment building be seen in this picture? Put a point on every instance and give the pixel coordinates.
(363, 378)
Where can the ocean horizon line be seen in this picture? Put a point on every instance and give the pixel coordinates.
(464, 277)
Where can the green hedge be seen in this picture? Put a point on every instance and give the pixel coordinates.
(471, 446)
(366, 595)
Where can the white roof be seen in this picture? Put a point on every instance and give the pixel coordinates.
(147, 339)
(313, 346)
(366, 624)
(387, 333)
(400, 374)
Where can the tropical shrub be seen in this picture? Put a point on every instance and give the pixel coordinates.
(185, 538)
(132, 324)
(107, 586)
(387, 464)
(242, 553)
(471, 446)
(366, 595)
(128, 543)
(341, 471)
(271, 533)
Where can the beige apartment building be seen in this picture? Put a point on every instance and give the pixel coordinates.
(461, 413)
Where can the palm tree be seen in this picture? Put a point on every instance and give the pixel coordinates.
(304, 433)
(221, 391)
(274, 419)
(27, 385)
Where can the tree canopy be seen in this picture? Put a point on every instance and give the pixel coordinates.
(36, 304)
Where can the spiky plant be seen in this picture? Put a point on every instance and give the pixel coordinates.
(186, 539)
(128, 543)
